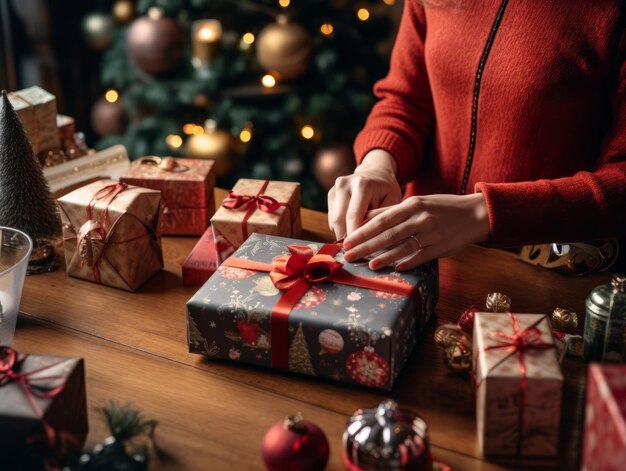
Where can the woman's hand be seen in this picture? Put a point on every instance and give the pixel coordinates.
(372, 185)
(441, 225)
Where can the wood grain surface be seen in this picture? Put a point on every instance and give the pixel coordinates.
(213, 414)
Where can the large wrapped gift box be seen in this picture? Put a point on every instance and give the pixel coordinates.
(262, 206)
(111, 233)
(43, 409)
(298, 306)
(604, 441)
(186, 187)
(37, 110)
(201, 262)
(518, 384)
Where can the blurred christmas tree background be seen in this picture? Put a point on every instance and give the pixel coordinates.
(272, 89)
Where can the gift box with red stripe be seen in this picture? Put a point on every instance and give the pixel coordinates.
(298, 306)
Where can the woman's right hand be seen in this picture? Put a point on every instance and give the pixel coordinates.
(373, 185)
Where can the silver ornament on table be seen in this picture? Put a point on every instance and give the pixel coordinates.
(388, 438)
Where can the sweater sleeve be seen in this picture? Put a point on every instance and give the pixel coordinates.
(402, 119)
(588, 205)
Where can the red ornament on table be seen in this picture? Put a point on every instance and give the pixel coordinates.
(295, 444)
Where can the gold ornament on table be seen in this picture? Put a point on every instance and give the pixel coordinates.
(331, 163)
(564, 318)
(498, 302)
(214, 144)
(123, 11)
(284, 49)
(155, 42)
(205, 40)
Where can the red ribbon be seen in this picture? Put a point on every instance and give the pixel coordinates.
(110, 192)
(294, 274)
(236, 200)
(8, 363)
(519, 343)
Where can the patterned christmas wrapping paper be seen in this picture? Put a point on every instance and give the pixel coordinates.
(201, 262)
(24, 443)
(123, 252)
(604, 440)
(186, 192)
(499, 382)
(228, 224)
(37, 110)
(348, 334)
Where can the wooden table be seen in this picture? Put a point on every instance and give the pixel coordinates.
(213, 414)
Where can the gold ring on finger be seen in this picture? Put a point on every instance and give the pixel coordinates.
(419, 244)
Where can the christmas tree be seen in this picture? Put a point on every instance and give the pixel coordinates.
(299, 355)
(25, 201)
(285, 84)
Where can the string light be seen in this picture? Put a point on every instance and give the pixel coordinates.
(111, 96)
(174, 141)
(248, 38)
(389, 2)
(307, 131)
(188, 128)
(363, 14)
(198, 130)
(268, 81)
(245, 135)
(284, 3)
(327, 29)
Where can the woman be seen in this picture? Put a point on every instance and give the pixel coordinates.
(506, 118)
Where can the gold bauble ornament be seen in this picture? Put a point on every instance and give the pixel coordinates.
(98, 30)
(498, 302)
(458, 358)
(564, 318)
(123, 11)
(331, 163)
(108, 118)
(214, 144)
(283, 49)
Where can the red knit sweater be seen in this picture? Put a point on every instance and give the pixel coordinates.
(550, 123)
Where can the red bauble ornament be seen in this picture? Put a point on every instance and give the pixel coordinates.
(295, 444)
(155, 43)
(331, 163)
(108, 118)
(248, 331)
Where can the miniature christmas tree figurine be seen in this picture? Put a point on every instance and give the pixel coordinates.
(25, 201)
(299, 355)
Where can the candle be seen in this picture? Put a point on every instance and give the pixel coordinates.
(205, 38)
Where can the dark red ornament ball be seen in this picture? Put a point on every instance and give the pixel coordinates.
(295, 444)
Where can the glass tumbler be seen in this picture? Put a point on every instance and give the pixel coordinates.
(15, 248)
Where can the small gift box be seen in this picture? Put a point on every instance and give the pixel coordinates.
(43, 409)
(262, 206)
(604, 440)
(518, 384)
(186, 187)
(37, 110)
(111, 235)
(201, 262)
(298, 306)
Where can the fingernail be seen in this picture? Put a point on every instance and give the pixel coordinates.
(374, 265)
(347, 245)
(348, 256)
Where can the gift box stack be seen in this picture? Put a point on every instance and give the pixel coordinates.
(298, 306)
(43, 410)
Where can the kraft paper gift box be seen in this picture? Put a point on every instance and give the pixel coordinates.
(358, 332)
(517, 413)
(186, 187)
(37, 110)
(604, 439)
(42, 406)
(201, 262)
(111, 233)
(262, 206)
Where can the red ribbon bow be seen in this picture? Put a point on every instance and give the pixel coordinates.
(31, 390)
(109, 191)
(236, 200)
(293, 274)
(519, 343)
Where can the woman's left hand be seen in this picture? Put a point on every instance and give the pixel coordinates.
(441, 225)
